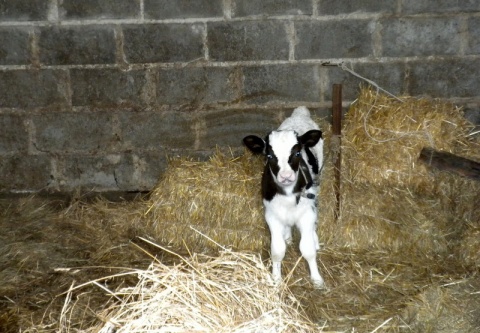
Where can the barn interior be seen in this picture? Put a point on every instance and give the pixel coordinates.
(128, 204)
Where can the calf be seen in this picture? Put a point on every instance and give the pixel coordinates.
(294, 156)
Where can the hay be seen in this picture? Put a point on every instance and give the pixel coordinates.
(403, 230)
(231, 292)
(389, 200)
(45, 244)
(383, 138)
(367, 289)
(220, 198)
(444, 309)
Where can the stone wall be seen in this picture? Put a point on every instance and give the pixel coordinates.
(97, 94)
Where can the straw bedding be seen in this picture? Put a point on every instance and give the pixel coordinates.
(403, 256)
(231, 292)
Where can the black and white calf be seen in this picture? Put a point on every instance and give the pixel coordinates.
(294, 155)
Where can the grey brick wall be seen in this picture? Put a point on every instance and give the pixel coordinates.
(97, 94)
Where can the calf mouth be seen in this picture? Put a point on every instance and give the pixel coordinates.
(286, 181)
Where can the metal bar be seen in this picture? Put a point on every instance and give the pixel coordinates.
(336, 141)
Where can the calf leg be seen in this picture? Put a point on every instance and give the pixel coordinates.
(317, 243)
(277, 247)
(287, 235)
(308, 248)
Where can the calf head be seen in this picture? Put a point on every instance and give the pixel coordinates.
(283, 150)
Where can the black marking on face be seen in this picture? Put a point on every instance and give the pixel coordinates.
(269, 187)
(312, 160)
(304, 178)
(295, 157)
(272, 160)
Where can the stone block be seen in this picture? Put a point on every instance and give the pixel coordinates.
(96, 173)
(25, 173)
(105, 9)
(24, 10)
(473, 36)
(77, 45)
(14, 46)
(168, 9)
(197, 86)
(407, 37)
(13, 134)
(70, 132)
(150, 43)
(112, 172)
(152, 130)
(281, 83)
(271, 7)
(227, 128)
(444, 78)
(108, 87)
(33, 88)
(334, 39)
(140, 171)
(439, 6)
(335, 7)
(248, 40)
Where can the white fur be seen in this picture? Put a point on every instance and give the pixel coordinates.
(283, 212)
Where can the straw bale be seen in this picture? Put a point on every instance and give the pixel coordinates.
(388, 200)
(220, 197)
(383, 137)
(399, 219)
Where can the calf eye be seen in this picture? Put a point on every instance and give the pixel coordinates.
(297, 154)
(269, 156)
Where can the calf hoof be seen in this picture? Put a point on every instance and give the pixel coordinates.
(275, 281)
(318, 283)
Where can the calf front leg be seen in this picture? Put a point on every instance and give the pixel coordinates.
(308, 247)
(278, 247)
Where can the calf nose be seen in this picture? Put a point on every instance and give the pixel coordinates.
(287, 176)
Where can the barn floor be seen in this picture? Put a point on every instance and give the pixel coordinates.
(48, 244)
(44, 248)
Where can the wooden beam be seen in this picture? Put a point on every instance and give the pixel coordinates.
(449, 162)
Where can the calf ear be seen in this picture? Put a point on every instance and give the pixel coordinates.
(311, 138)
(254, 143)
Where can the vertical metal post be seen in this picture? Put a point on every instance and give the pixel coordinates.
(336, 142)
